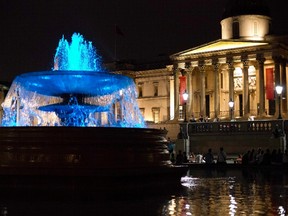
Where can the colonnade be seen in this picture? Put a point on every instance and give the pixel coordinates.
(199, 70)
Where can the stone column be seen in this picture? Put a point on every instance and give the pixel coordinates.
(261, 91)
(246, 99)
(216, 94)
(176, 91)
(189, 89)
(284, 84)
(172, 97)
(231, 69)
(277, 60)
(202, 89)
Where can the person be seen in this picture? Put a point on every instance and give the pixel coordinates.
(266, 157)
(172, 158)
(192, 157)
(199, 158)
(239, 159)
(208, 157)
(221, 158)
(179, 157)
(192, 119)
(285, 158)
(170, 146)
(185, 158)
(201, 119)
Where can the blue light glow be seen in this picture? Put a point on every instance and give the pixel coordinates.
(77, 92)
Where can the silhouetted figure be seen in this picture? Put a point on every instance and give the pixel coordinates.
(185, 158)
(285, 158)
(208, 157)
(179, 157)
(221, 158)
(245, 158)
(274, 156)
(172, 157)
(266, 158)
(279, 157)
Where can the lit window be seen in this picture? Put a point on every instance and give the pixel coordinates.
(156, 114)
(255, 28)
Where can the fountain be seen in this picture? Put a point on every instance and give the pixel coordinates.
(75, 93)
(79, 120)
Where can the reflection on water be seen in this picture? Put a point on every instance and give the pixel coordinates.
(231, 193)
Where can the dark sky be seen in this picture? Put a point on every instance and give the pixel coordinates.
(31, 29)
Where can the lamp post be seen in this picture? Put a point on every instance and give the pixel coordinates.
(279, 90)
(185, 98)
(231, 105)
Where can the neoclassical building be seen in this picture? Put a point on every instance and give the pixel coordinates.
(244, 67)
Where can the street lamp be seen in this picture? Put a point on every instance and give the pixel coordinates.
(279, 90)
(231, 105)
(185, 98)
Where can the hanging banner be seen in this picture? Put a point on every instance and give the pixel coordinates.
(269, 84)
(182, 89)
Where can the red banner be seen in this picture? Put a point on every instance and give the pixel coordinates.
(182, 88)
(269, 84)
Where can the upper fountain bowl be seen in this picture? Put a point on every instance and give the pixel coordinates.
(58, 83)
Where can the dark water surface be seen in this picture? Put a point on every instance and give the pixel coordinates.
(202, 192)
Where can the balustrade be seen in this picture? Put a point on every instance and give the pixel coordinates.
(205, 128)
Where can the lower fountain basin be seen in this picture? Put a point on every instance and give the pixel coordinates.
(81, 150)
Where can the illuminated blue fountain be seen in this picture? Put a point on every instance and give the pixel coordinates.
(77, 92)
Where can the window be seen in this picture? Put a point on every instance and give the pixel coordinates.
(236, 34)
(156, 114)
(142, 111)
(155, 84)
(140, 89)
(255, 28)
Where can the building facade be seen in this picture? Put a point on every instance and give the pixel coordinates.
(243, 68)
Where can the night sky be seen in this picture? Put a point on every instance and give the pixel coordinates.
(31, 29)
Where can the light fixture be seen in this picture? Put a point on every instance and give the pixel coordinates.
(185, 98)
(231, 105)
(279, 90)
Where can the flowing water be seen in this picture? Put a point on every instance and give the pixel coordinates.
(78, 91)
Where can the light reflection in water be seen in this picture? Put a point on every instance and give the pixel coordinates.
(230, 196)
(233, 193)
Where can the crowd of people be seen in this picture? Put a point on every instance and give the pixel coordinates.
(265, 157)
(208, 158)
(251, 157)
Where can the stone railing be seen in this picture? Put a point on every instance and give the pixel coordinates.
(237, 127)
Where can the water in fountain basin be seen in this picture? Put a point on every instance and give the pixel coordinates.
(102, 98)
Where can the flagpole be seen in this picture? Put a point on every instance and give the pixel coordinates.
(115, 42)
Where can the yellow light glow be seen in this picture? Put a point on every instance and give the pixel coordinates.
(223, 45)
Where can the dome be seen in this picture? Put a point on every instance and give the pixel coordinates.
(246, 7)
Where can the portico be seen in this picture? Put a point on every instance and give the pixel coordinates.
(244, 71)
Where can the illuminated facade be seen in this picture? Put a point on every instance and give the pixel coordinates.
(244, 66)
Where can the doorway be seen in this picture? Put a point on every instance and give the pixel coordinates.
(240, 105)
(207, 103)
